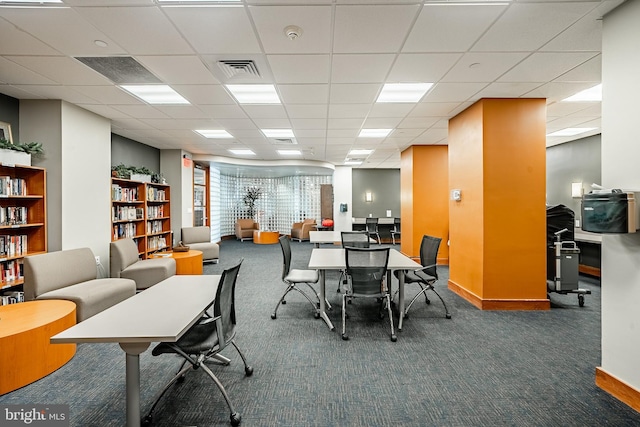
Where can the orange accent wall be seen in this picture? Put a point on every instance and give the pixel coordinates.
(424, 205)
(498, 229)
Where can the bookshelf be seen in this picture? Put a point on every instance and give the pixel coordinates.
(141, 211)
(23, 219)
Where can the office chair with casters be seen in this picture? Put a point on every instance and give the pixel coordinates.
(294, 277)
(426, 276)
(372, 228)
(366, 272)
(352, 239)
(396, 230)
(204, 341)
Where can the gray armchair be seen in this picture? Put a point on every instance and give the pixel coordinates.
(199, 239)
(124, 262)
(245, 228)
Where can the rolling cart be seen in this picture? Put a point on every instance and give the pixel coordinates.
(565, 277)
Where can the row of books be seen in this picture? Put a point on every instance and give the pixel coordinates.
(155, 212)
(126, 213)
(10, 186)
(156, 194)
(156, 242)
(121, 231)
(13, 245)
(10, 271)
(154, 227)
(13, 215)
(124, 194)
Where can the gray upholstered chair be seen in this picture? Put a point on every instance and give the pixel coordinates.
(245, 227)
(124, 262)
(300, 230)
(199, 239)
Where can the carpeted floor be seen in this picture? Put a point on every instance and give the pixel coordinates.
(481, 368)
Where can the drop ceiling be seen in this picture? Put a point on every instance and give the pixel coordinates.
(328, 78)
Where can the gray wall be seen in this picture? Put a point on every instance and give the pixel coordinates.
(575, 161)
(132, 153)
(10, 113)
(384, 184)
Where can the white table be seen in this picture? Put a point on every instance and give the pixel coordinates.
(317, 237)
(162, 312)
(334, 259)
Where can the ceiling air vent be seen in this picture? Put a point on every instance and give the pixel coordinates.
(288, 141)
(240, 67)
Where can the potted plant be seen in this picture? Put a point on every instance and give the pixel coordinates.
(253, 194)
(136, 173)
(20, 153)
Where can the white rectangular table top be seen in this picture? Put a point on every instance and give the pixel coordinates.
(162, 312)
(333, 259)
(328, 237)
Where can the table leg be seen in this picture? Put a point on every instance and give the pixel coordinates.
(323, 306)
(133, 351)
(400, 298)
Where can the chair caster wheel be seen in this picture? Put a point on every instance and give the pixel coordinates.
(248, 371)
(180, 380)
(316, 315)
(146, 421)
(235, 419)
(406, 315)
(448, 316)
(394, 338)
(273, 316)
(428, 302)
(345, 337)
(284, 302)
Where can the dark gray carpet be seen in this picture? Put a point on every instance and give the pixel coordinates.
(481, 368)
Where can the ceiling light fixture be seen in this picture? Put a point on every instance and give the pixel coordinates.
(570, 131)
(289, 152)
(100, 43)
(403, 92)
(360, 152)
(292, 32)
(593, 94)
(242, 152)
(254, 94)
(374, 133)
(352, 162)
(214, 133)
(278, 133)
(155, 94)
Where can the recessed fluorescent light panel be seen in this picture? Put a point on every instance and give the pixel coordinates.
(360, 152)
(289, 152)
(374, 133)
(214, 133)
(403, 92)
(593, 94)
(155, 94)
(254, 94)
(242, 152)
(352, 162)
(278, 133)
(570, 131)
(28, 1)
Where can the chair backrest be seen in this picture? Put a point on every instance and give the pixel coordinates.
(246, 223)
(367, 268)
(122, 253)
(372, 224)
(354, 239)
(429, 254)
(396, 225)
(200, 234)
(285, 245)
(224, 305)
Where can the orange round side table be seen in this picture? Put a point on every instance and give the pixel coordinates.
(265, 237)
(189, 262)
(25, 330)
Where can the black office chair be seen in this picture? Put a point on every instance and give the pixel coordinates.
(295, 277)
(426, 276)
(366, 272)
(204, 341)
(396, 230)
(372, 228)
(352, 239)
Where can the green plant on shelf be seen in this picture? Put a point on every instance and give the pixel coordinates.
(33, 148)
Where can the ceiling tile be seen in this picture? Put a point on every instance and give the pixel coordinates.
(302, 111)
(453, 92)
(352, 111)
(265, 111)
(61, 69)
(360, 68)
(184, 69)
(422, 67)
(545, 66)
(300, 68)
(304, 93)
(482, 67)
(589, 71)
(13, 73)
(18, 42)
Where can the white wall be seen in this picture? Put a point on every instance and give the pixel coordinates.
(342, 193)
(620, 156)
(180, 178)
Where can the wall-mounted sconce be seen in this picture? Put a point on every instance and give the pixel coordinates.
(368, 197)
(576, 189)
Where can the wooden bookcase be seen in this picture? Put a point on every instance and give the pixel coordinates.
(23, 220)
(141, 211)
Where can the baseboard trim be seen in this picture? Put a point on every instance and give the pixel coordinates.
(618, 388)
(499, 304)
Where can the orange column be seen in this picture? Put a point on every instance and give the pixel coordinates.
(424, 205)
(498, 229)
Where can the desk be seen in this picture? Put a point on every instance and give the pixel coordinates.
(25, 329)
(317, 237)
(334, 259)
(189, 262)
(163, 312)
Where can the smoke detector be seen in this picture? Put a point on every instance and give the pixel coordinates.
(292, 32)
